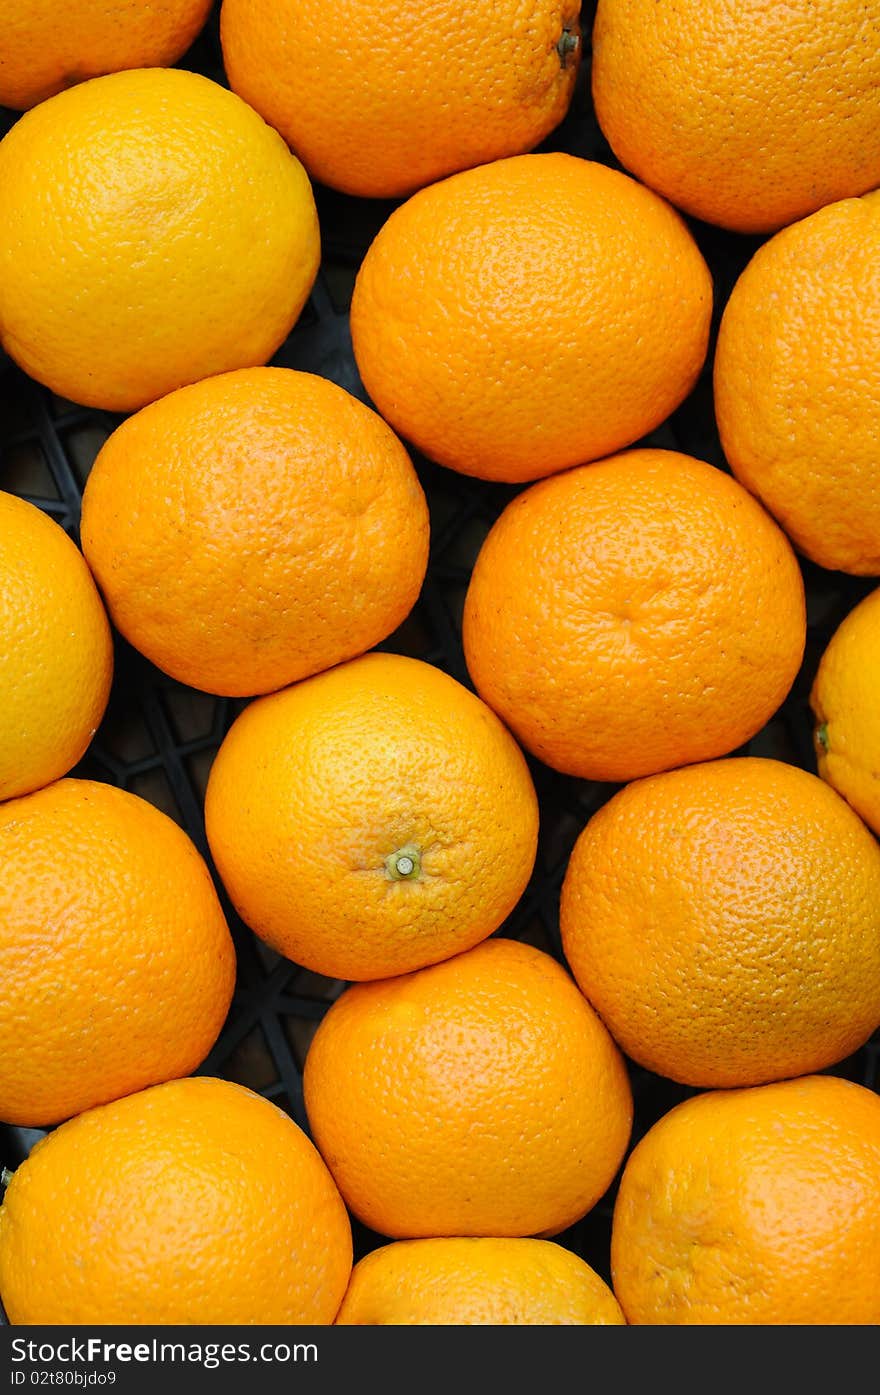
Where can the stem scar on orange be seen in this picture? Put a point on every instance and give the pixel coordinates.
(378, 99)
(373, 819)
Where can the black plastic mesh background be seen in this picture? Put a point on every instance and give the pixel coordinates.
(159, 738)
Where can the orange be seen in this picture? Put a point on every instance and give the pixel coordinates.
(530, 315)
(844, 700)
(640, 613)
(476, 1283)
(724, 921)
(195, 1202)
(749, 115)
(482, 1096)
(43, 53)
(797, 383)
(373, 819)
(754, 1207)
(378, 99)
(154, 231)
(56, 654)
(255, 528)
(116, 966)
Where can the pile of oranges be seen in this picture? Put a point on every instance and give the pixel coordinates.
(634, 617)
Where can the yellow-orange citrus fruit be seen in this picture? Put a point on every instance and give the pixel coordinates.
(190, 1203)
(640, 613)
(378, 99)
(476, 1283)
(530, 315)
(844, 701)
(748, 115)
(255, 528)
(724, 921)
(41, 52)
(754, 1207)
(56, 654)
(482, 1096)
(154, 230)
(116, 965)
(373, 819)
(797, 383)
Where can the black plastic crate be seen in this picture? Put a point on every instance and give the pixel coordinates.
(158, 738)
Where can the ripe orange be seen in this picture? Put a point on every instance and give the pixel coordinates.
(117, 966)
(255, 528)
(56, 654)
(637, 614)
(482, 1096)
(724, 920)
(373, 819)
(748, 115)
(476, 1282)
(154, 231)
(378, 99)
(530, 315)
(844, 700)
(43, 53)
(754, 1207)
(193, 1202)
(797, 383)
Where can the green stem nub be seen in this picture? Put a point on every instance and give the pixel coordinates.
(5, 1178)
(822, 736)
(569, 43)
(405, 865)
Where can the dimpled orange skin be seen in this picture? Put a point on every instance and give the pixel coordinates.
(640, 613)
(155, 231)
(40, 56)
(317, 790)
(193, 1202)
(379, 99)
(844, 701)
(530, 315)
(748, 115)
(116, 964)
(255, 528)
(482, 1096)
(475, 1283)
(797, 383)
(756, 1207)
(724, 921)
(56, 653)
